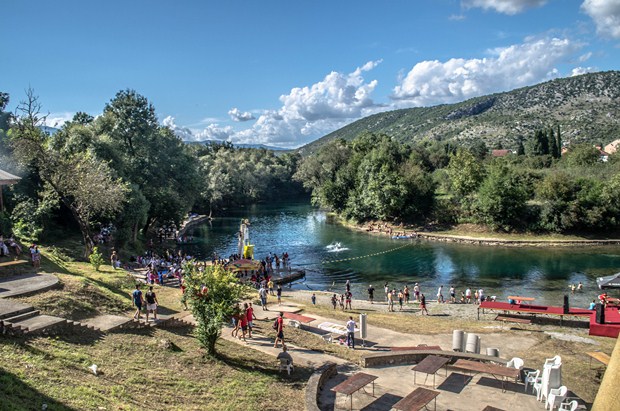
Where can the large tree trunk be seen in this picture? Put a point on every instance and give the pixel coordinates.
(84, 228)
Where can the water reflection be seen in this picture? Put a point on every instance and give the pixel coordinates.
(304, 233)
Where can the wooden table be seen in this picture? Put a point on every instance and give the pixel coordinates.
(598, 356)
(524, 300)
(430, 365)
(491, 369)
(417, 399)
(355, 383)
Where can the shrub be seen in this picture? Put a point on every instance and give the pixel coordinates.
(96, 259)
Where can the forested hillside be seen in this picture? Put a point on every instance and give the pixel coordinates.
(586, 107)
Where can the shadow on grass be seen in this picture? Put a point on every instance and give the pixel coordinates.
(247, 362)
(15, 394)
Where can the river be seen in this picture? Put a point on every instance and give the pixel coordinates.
(309, 235)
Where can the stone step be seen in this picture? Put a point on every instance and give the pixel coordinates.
(41, 323)
(10, 308)
(23, 316)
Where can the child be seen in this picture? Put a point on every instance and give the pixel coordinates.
(313, 299)
(334, 301)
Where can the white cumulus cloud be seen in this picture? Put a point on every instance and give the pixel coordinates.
(435, 82)
(606, 16)
(311, 111)
(237, 115)
(57, 120)
(578, 71)
(503, 6)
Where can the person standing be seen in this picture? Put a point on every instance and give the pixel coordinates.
(113, 259)
(440, 294)
(423, 304)
(270, 286)
(401, 296)
(349, 298)
(334, 301)
(151, 304)
(406, 292)
(243, 321)
(386, 287)
(390, 298)
(249, 313)
(279, 294)
(138, 300)
(279, 326)
(351, 333)
(468, 295)
(371, 294)
(262, 293)
(452, 294)
(416, 291)
(313, 299)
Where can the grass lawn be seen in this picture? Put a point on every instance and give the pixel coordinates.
(137, 370)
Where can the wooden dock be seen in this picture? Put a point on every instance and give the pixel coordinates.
(287, 276)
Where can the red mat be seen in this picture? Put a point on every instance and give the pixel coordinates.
(298, 317)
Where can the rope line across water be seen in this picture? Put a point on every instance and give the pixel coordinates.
(364, 256)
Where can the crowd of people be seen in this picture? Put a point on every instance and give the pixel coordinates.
(9, 246)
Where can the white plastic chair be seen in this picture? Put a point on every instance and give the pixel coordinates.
(556, 396)
(531, 378)
(285, 365)
(569, 406)
(537, 386)
(516, 362)
(557, 360)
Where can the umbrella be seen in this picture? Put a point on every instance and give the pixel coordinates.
(611, 281)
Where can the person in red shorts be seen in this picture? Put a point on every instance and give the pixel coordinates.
(279, 326)
(243, 322)
(250, 316)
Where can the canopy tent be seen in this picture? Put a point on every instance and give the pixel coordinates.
(5, 180)
(611, 281)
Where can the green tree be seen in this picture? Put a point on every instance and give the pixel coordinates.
(83, 183)
(465, 172)
(502, 198)
(582, 155)
(554, 150)
(211, 295)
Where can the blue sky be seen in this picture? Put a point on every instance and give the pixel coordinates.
(284, 73)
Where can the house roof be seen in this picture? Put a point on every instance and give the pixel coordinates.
(8, 178)
(500, 153)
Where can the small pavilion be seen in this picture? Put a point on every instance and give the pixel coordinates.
(6, 179)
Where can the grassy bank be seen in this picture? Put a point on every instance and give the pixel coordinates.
(140, 369)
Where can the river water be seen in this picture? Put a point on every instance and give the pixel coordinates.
(309, 236)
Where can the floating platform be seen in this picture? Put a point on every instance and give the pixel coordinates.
(286, 276)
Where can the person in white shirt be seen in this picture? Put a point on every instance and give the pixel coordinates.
(440, 298)
(351, 333)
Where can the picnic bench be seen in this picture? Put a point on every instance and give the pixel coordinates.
(491, 369)
(430, 365)
(598, 356)
(417, 399)
(355, 383)
(520, 299)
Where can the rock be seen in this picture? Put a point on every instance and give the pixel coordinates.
(165, 344)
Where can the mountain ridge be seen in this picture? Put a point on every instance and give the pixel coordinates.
(586, 107)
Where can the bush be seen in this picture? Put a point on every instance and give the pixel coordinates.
(96, 259)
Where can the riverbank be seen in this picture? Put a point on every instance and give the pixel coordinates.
(473, 234)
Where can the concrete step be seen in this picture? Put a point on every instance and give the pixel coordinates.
(23, 316)
(10, 308)
(42, 323)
